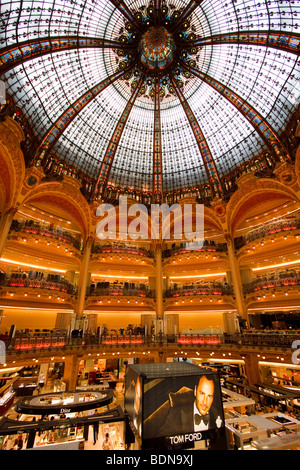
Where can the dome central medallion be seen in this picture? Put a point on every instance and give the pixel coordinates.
(156, 48)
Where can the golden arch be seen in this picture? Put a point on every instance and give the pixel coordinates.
(252, 193)
(65, 196)
(115, 216)
(12, 166)
(297, 161)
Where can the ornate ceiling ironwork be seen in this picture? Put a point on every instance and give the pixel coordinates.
(157, 96)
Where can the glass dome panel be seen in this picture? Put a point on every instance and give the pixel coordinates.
(47, 86)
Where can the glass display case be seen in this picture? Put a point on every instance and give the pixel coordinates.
(59, 435)
(6, 401)
(65, 421)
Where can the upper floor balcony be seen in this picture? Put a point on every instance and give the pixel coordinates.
(270, 230)
(32, 230)
(26, 282)
(209, 289)
(120, 249)
(273, 282)
(104, 289)
(210, 295)
(209, 247)
(60, 340)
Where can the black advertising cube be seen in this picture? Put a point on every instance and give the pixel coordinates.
(173, 405)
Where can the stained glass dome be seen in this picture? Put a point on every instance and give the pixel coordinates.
(154, 96)
(157, 48)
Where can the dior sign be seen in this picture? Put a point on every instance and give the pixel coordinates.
(183, 223)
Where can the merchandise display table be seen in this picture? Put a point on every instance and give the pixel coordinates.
(242, 432)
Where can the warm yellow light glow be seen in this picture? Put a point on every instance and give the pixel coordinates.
(198, 276)
(280, 265)
(276, 364)
(110, 276)
(18, 263)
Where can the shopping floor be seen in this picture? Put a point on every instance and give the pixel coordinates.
(98, 415)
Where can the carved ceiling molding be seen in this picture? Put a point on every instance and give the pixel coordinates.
(12, 169)
(66, 197)
(253, 192)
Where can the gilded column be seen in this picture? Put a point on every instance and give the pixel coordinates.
(159, 282)
(252, 369)
(71, 372)
(84, 277)
(236, 279)
(5, 225)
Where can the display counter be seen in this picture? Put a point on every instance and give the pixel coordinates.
(64, 402)
(64, 418)
(73, 445)
(6, 401)
(60, 434)
(289, 441)
(26, 390)
(242, 432)
(235, 404)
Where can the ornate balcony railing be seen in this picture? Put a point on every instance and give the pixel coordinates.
(210, 289)
(107, 289)
(53, 282)
(33, 228)
(206, 248)
(284, 279)
(275, 338)
(61, 340)
(267, 229)
(121, 248)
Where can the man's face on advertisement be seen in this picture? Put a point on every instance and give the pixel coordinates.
(204, 395)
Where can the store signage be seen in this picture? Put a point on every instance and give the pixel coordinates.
(184, 438)
(65, 410)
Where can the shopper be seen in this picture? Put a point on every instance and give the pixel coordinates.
(96, 429)
(106, 443)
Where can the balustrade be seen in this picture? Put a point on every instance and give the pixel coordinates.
(121, 289)
(121, 248)
(201, 289)
(33, 228)
(58, 340)
(51, 282)
(273, 282)
(208, 246)
(267, 229)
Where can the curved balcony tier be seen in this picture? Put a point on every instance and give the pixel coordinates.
(121, 248)
(104, 289)
(191, 290)
(209, 247)
(267, 231)
(60, 342)
(284, 279)
(34, 230)
(53, 282)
